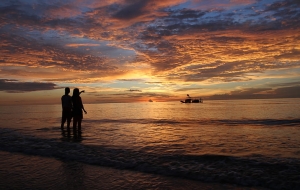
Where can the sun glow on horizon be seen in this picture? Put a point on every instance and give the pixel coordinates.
(163, 50)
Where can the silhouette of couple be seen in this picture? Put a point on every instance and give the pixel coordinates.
(72, 107)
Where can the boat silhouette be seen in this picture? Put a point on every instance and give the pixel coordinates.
(192, 100)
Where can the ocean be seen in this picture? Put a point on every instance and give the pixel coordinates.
(218, 144)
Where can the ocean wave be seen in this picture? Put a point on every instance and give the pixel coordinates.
(232, 122)
(255, 170)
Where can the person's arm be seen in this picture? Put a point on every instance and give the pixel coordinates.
(82, 107)
(84, 110)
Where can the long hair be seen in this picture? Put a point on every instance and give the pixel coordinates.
(75, 92)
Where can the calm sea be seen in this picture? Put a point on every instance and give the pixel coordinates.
(252, 143)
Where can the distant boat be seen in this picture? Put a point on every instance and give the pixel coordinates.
(192, 100)
(150, 100)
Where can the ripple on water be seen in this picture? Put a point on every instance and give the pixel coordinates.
(255, 170)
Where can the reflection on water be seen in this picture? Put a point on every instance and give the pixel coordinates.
(71, 135)
(235, 142)
(239, 127)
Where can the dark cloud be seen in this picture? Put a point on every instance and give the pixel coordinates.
(286, 13)
(226, 39)
(279, 5)
(288, 84)
(132, 10)
(134, 90)
(288, 92)
(25, 17)
(14, 86)
(187, 14)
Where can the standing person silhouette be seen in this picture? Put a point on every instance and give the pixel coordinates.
(77, 109)
(66, 103)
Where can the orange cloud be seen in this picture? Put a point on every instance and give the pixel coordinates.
(171, 42)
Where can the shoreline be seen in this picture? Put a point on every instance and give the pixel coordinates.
(20, 171)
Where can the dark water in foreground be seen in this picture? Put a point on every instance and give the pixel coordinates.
(244, 143)
(36, 172)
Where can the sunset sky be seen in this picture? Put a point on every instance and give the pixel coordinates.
(136, 50)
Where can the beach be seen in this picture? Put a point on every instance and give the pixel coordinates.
(253, 145)
(21, 171)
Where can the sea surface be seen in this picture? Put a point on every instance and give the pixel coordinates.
(218, 144)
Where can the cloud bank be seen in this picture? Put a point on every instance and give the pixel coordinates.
(158, 42)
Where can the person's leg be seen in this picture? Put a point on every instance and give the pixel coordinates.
(68, 133)
(75, 120)
(63, 120)
(79, 124)
(68, 123)
(69, 120)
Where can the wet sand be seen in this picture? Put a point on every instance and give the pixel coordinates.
(20, 171)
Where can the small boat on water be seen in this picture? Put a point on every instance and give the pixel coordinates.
(192, 100)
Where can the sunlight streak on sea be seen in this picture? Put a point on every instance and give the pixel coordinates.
(214, 141)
